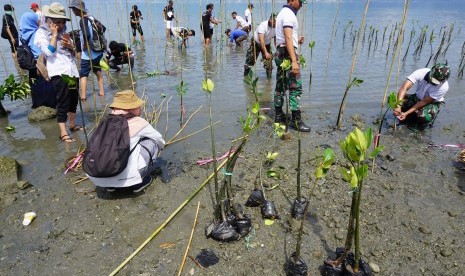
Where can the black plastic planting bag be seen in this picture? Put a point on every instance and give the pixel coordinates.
(269, 210)
(255, 199)
(296, 267)
(244, 226)
(298, 208)
(224, 232)
(207, 257)
(363, 268)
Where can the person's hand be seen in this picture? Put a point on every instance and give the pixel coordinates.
(397, 111)
(54, 29)
(13, 41)
(67, 43)
(402, 116)
(295, 68)
(268, 56)
(301, 39)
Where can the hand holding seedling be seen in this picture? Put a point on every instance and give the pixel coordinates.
(301, 39)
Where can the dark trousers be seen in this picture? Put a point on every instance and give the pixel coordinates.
(67, 98)
(42, 92)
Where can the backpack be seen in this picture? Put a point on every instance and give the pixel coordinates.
(99, 42)
(25, 56)
(108, 151)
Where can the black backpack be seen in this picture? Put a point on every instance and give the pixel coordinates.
(99, 42)
(25, 56)
(108, 151)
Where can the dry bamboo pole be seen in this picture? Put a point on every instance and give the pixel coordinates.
(333, 33)
(190, 240)
(168, 220)
(354, 60)
(398, 50)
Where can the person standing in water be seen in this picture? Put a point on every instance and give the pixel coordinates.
(168, 17)
(135, 16)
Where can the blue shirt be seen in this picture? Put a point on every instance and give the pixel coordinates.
(235, 34)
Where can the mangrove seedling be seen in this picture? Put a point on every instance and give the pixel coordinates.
(298, 207)
(14, 90)
(295, 264)
(182, 89)
(355, 150)
(355, 82)
(311, 45)
(286, 66)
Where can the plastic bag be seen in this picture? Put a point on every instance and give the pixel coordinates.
(269, 210)
(298, 208)
(255, 199)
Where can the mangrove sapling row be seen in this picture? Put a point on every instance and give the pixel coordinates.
(295, 263)
(15, 90)
(355, 150)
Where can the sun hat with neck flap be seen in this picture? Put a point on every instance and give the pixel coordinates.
(55, 10)
(126, 100)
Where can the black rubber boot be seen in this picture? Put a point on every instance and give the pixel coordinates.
(279, 116)
(297, 123)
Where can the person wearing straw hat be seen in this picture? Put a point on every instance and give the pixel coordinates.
(59, 53)
(420, 109)
(146, 144)
(9, 31)
(90, 59)
(287, 41)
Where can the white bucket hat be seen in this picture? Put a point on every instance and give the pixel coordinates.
(55, 10)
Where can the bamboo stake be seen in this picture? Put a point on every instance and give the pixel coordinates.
(341, 108)
(189, 135)
(190, 240)
(168, 220)
(333, 33)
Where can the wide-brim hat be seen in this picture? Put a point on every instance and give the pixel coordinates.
(78, 4)
(126, 100)
(55, 10)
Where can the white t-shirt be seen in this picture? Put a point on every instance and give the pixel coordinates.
(41, 17)
(263, 28)
(425, 88)
(287, 19)
(248, 16)
(242, 21)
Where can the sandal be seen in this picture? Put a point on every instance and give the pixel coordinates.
(66, 138)
(75, 128)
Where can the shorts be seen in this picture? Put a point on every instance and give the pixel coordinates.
(138, 28)
(169, 24)
(207, 33)
(85, 66)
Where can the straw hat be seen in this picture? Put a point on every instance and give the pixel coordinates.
(55, 10)
(126, 100)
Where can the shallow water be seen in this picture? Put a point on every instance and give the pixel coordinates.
(224, 65)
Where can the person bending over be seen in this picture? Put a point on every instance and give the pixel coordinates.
(182, 34)
(121, 53)
(237, 36)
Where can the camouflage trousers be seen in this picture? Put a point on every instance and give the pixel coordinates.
(423, 117)
(253, 52)
(286, 80)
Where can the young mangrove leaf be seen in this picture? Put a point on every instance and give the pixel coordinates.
(271, 156)
(357, 82)
(311, 45)
(181, 88)
(368, 137)
(362, 172)
(376, 152)
(255, 108)
(286, 64)
(104, 65)
(10, 128)
(70, 81)
(208, 85)
(302, 61)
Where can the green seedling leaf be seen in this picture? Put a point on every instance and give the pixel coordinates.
(181, 88)
(311, 45)
(376, 152)
(10, 128)
(104, 65)
(362, 172)
(392, 100)
(271, 156)
(269, 222)
(328, 157)
(208, 85)
(262, 117)
(345, 174)
(302, 61)
(368, 137)
(357, 82)
(256, 108)
(353, 178)
(286, 64)
(71, 81)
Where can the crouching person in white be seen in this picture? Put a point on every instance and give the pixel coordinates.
(146, 144)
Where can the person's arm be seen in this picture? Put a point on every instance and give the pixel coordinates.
(214, 21)
(419, 105)
(41, 41)
(401, 95)
(12, 39)
(164, 14)
(291, 50)
(261, 38)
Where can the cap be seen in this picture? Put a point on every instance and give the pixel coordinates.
(439, 73)
(34, 5)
